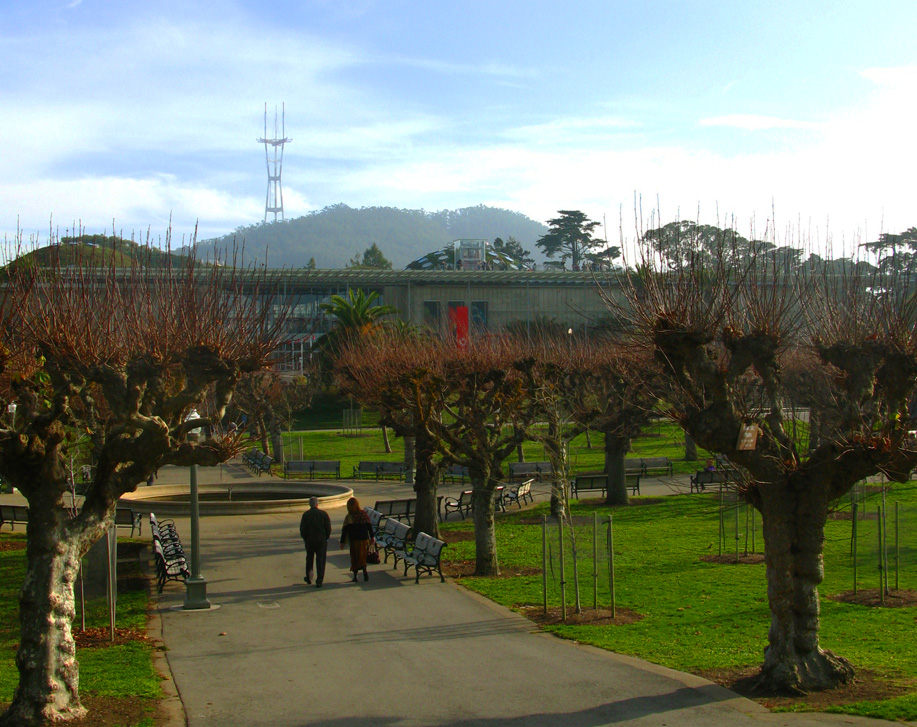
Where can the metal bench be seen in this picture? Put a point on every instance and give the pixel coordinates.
(461, 505)
(171, 564)
(125, 517)
(395, 470)
(424, 556)
(396, 509)
(518, 493)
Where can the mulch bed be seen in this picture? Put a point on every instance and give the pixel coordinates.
(873, 597)
(101, 636)
(10, 544)
(866, 686)
(586, 617)
(459, 569)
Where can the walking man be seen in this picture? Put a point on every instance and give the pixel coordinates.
(315, 529)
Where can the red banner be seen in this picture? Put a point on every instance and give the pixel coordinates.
(458, 316)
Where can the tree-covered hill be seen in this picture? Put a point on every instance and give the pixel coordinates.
(334, 235)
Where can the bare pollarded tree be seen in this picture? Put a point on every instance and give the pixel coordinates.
(401, 376)
(724, 334)
(122, 356)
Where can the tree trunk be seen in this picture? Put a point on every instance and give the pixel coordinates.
(794, 515)
(616, 449)
(485, 536)
(553, 447)
(426, 519)
(520, 454)
(388, 447)
(263, 435)
(48, 689)
(277, 446)
(409, 457)
(690, 448)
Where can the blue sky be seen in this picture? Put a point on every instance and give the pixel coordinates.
(793, 117)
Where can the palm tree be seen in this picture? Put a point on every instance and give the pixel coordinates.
(356, 315)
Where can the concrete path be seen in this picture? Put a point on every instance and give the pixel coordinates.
(388, 652)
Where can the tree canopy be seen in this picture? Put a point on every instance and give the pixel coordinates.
(570, 237)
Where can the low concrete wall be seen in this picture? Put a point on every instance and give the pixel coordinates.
(330, 496)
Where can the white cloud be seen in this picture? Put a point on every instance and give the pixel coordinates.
(754, 122)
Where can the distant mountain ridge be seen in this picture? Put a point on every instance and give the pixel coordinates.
(335, 234)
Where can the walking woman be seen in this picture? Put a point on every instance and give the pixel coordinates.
(359, 533)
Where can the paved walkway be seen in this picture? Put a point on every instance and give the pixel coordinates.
(388, 652)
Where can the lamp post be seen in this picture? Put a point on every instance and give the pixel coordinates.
(195, 586)
(11, 410)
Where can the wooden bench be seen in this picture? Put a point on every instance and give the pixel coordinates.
(13, 514)
(455, 472)
(461, 505)
(702, 478)
(312, 467)
(518, 493)
(396, 509)
(395, 470)
(657, 466)
(125, 517)
(633, 466)
(588, 481)
(529, 470)
(394, 541)
(424, 556)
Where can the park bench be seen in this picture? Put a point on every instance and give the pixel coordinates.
(394, 541)
(455, 472)
(461, 505)
(13, 514)
(633, 466)
(599, 481)
(375, 518)
(656, 466)
(312, 467)
(171, 564)
(258, 461)
(518, 494)
(378, 470)
(127, 518)
(529, 470)
(397, 509)
(424, 556)
(702, 478)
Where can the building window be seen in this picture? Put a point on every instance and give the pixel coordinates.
(479, 315)
(432, 313)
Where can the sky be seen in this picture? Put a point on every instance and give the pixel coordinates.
(789, 120)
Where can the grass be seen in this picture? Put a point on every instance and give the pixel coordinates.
(123, 670)
(700, 616)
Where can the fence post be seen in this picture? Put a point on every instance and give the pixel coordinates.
(853, 547)
(897, 552)
(544, 560)
(881, 578)
(611, 565)
(595, 559)
(563, 583)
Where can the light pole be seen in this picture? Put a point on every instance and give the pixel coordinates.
(195, 586)
(11, 410)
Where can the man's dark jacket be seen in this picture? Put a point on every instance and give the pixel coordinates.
(315, 526)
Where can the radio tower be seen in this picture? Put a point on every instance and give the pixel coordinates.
(273, 202)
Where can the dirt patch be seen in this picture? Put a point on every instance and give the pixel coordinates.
(586, 617)
(101, 636)
(456, 536)
(746, 559)
(459, 569)
(113, 711)
(10, 544)
(866, 686)
(873, 597)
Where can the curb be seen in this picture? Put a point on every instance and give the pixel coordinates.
(170, 712)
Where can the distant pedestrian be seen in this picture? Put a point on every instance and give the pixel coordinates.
(358, 531)
(315, 529)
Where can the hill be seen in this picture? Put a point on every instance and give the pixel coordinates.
(334, 235)
(96, 251)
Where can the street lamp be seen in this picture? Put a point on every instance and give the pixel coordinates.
(11, 410)
(195, 586)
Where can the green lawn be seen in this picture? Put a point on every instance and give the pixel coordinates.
(699, 615)
(124, 671)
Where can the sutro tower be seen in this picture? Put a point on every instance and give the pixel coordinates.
(274, 200)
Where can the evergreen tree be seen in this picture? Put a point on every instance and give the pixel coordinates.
(570, 235)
